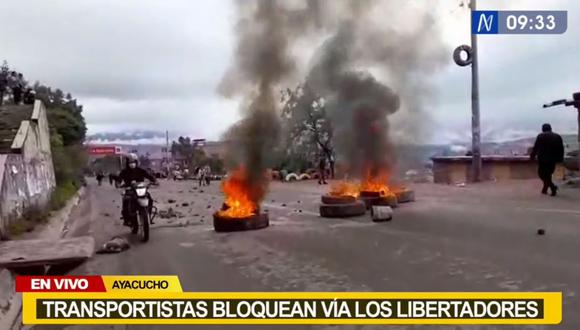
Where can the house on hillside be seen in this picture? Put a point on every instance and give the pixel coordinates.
(26, 169)
(158, 159)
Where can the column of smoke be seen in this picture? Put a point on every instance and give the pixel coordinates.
(265, 30)
(363, 42)
(359, 104)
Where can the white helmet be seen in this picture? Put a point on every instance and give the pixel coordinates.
(132, 158)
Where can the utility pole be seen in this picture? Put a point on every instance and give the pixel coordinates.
(167, 152)
(475, 124)
(472, 60)
(577, 106)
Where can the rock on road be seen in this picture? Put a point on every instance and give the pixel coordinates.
(474, 238)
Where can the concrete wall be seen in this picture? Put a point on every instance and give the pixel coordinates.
(453, 170)
(27, 173)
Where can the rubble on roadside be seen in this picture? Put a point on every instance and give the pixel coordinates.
(169, 213)
(115, 245)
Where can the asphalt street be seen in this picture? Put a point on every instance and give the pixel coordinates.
(475, 238)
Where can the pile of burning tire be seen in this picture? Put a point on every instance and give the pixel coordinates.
(371, 198)
(227, 224)
(393, 200)
(222, 223)
(350, 206)
(341, 206)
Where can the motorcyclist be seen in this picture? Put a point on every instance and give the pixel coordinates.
(132, 173)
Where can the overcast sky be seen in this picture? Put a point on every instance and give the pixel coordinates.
(154, 65)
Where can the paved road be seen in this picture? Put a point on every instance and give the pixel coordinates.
(475, 238)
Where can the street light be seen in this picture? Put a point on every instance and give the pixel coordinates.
(575, 102)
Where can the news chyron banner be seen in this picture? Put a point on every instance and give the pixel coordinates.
(160, 300)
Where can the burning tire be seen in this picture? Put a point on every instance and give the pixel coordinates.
(369, 198)
(228, 224)
(405, 196)
(342, 210)
(389, 200)
(328, 199)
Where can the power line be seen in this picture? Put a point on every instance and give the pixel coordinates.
(448, 14)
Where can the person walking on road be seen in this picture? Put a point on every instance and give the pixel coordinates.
(15, 85)
(549, 150)
(207, 175)
(100, 177)
(322, 170)
(201, 176)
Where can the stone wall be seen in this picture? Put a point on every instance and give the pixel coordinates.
(27, 173)
(457, 169)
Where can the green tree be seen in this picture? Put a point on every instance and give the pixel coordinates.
(187, 151)
(216, 164)
(309, 132)
(67, 125)
(67, 135)
(64, 114)
(5, 74)
(4, 71)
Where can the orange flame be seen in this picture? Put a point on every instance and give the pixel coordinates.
(238, 201)
(376, 183)
(371, 183)
(344, 188)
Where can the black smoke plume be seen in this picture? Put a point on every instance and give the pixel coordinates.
(361, 106)
(372, 71)
(266, 30)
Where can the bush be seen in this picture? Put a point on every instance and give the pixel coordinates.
(35, 214)
(30, 218)
(17, 228)
(69, 162)
(62, 194)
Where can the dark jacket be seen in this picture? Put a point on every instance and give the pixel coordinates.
(137, 174)
(549, 148)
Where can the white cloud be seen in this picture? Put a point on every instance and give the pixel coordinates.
(518, 73)
(196, 117)
(154, 65)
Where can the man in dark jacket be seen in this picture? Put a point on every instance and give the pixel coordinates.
(322, 170)
(132, 173)
(100, 177)
(112, 178)
(549, 150)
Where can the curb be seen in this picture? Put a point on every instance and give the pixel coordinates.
(57, 227)
(10, 301)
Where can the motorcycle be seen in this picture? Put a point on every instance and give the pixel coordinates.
(140, 210)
